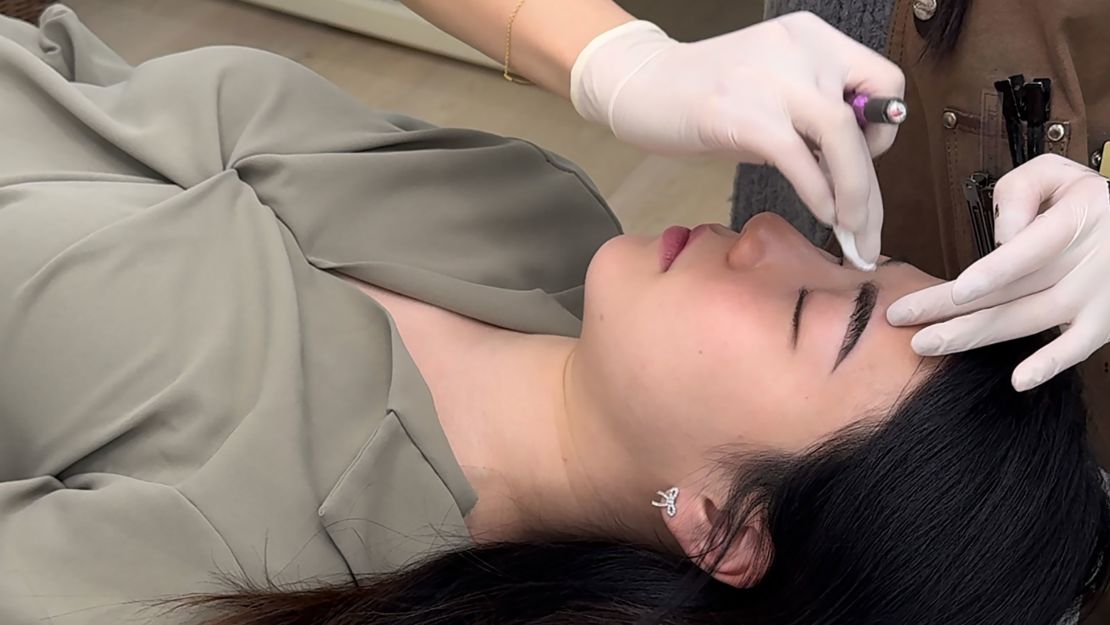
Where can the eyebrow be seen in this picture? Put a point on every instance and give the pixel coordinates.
(857, 322)
(867, 290)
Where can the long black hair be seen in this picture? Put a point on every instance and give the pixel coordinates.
(942, 31)
(969, 504)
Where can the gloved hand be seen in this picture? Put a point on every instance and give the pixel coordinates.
(763, 95)
(1050, 270)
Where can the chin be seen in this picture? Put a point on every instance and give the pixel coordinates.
(616, 269)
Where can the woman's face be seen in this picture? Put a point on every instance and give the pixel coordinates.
(756, 338)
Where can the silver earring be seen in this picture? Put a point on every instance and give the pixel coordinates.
(669, 500)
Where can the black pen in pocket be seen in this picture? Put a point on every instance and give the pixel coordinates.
(1013, 112)
(1037, 100)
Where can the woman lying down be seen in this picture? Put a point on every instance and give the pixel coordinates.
(271, 358)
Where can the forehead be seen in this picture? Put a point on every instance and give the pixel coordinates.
(883, 365)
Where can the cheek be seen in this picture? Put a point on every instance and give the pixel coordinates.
(748, 390)
(766, 394)
(708, 362)
(793, 412)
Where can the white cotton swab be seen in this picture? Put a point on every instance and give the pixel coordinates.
(847, 242)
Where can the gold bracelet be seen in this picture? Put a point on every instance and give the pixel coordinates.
(509, 76)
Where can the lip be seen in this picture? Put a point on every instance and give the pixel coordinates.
(677, 238)
(671, 244)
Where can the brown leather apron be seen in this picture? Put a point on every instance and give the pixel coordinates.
(956, 128)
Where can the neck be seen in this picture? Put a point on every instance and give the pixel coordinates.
(532, 439)
(528, 429)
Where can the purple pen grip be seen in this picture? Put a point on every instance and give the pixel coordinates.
(871, 110)
(859, 105)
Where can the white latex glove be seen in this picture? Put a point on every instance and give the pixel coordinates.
(762, 95)
(1051, 270)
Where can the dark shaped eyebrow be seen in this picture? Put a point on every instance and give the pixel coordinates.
(857, 322)
(802, 294)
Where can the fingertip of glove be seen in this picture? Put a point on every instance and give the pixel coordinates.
(926, 344)
(899, 315)
(1022, 383)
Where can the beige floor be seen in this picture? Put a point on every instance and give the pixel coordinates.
(648, 192)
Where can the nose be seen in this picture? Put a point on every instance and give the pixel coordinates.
(767, 237)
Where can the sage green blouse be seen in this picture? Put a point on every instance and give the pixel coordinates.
(186, 389)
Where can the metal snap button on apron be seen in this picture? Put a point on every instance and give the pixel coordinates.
(1096, 159)
(949, 120)
(1056, 132)
(924, 9)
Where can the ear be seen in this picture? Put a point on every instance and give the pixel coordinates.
(740, 563)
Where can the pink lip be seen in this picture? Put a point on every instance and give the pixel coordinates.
(671, 244)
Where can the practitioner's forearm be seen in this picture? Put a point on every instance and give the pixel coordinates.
(547, 34)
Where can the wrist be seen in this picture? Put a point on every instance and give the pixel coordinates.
(548, 36)
(607, 62)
